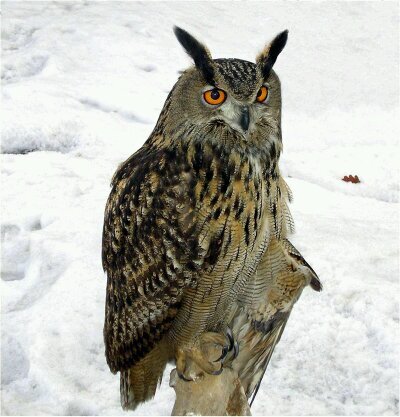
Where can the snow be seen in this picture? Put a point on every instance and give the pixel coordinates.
(82, 86)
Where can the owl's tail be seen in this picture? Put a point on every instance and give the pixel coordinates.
(139, 383)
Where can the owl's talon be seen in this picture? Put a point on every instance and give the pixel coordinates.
(181, 376)
(225, 351)
(230, 337)
(219, 372)
(233, 344)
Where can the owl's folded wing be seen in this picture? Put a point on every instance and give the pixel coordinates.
(264, 309)
(150, 253)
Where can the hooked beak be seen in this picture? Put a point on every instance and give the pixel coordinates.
(244, 119)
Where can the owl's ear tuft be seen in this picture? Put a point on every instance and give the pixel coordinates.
(199, 53)
(266, 59)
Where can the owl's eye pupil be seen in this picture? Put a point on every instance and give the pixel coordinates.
(259, 93)
(215, 94)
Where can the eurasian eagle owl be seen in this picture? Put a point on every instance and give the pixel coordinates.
(195, 232)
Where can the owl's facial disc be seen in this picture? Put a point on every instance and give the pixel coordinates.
(234, 113)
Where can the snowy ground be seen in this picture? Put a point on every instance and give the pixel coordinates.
(82, 86)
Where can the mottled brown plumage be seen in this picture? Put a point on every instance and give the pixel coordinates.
(195, 229)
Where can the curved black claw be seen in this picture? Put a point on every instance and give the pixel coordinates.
(233, 346)
(181, 376)
(219, 372)
(225, 351)
(229, 335)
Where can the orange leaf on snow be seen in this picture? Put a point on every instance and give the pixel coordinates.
(350, 178)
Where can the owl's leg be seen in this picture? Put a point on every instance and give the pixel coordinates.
(206, 355)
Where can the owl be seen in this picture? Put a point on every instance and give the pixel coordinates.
(199, 269)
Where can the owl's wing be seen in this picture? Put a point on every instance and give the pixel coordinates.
(297, 256)
(264, 309)
(150, 252)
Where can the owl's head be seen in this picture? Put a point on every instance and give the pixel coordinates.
(240, 97)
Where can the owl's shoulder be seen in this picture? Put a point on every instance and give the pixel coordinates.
(150, 191)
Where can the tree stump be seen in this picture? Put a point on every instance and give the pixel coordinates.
(211, 395)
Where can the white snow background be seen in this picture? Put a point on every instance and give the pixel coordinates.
(82, 86)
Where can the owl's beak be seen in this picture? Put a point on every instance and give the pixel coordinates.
(244, 120)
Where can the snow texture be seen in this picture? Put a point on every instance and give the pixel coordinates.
(82, 86)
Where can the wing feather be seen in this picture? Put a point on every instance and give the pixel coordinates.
(149, 253)
(264, 309)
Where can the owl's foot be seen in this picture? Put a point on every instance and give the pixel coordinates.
(207, 355)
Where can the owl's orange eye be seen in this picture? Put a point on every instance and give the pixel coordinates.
(262, 94)
(214, 96)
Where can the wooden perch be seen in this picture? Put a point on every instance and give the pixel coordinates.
(211, 395)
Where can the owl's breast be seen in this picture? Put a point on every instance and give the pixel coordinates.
(234, 226)
(231, 197)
